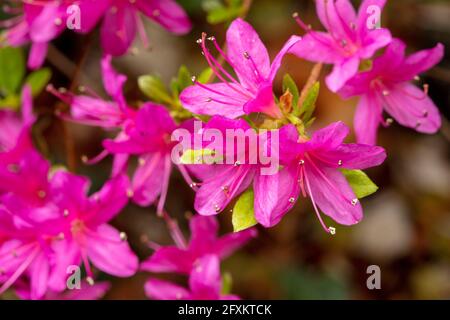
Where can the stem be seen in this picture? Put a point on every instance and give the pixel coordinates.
(313, 77)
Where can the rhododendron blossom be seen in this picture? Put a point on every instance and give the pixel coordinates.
(387, 86)
(200, 259)
(311, 168)
(249, 58)
(346, 43)
(42, 21)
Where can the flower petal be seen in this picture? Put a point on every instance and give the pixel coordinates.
(275, 195)
(118, 30)
(169, 259)
(167, 13)
(205, 281)
(333, 194)
(242, 40)
(110, 254)
(214, 99)
(367, 118)
(164, 290)
(342, 72)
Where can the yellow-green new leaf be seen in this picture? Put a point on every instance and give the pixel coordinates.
(360, 183)
(244, 212)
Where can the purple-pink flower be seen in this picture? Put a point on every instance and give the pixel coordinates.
(43, 21)
(311, 168)
(387, 87)
(199, 259)
(348, 40)
(252, 92)
(205, 283)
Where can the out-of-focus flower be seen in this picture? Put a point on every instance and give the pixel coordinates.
(348, 39)
(248, 57)
(204, 241)
(43, 21)
(204, 284)
(387, 86)
(311, 167)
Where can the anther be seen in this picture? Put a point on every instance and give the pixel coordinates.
(301, 162)
(66, 213)
(386, 93)
(193, 79)
(340, 162)
(130, 193)
(355, 202)
(292, 200)
(246, 55)
(123, 236)
(332, 230)
(90, 281)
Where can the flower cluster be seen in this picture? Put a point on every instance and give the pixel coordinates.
(48, 220)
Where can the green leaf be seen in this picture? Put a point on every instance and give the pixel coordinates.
(197, 156)
(361, 184)
(223, 14)
(309, 105)
(12, 69)
(243, 212)
(154, 88)
(184, 78)
(227, 283)
(205, 75)
(11, 102)
(289, 84)
(38, 80)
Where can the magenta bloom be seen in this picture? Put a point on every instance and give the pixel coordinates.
(204, 241)
(43, 21)
(87, 234)
(205, 283)
(147, 136)
(387, 86)
(348, 40)
(121, 22)
(311, 168)
(87, 292)
(249, 58)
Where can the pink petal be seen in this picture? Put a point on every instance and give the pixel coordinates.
(112, 81)
(147, 179)
(118, 30)
(331, 136)
(421, 61)
(167, 13)
(91, 11)
(110, 254)
(39, 272)
(66, 253)
(164, 290)
(229, 243)
(264, 102)
(43, 28)
(169, 259)
(374, 40)
(243, 39)
(109, 201)
(205, 281)
(276, 63)
(37, 55)
(342, 72)
(364, 14)
(412, 108)
(96, 112)
(336, 16)
(275, 195)
(318, 47)
(333, 194)
(353, 156)
(215, 194)
(214, 99)
(203, 233)
(367, 119)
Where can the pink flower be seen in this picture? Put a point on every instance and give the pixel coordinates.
(204, 284)
(40, 23)
(86, 292)
(349, 38)
(249, 58)
(84, 219)
(121, 22)
(387, 86)
(147, 136)
(43, 21)
(311, 168)
(204, 241)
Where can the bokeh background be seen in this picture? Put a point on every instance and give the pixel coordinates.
(406, 229)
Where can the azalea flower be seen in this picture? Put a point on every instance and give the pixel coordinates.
(204, 284)
(204, 241)
(151, 143)
(43, 21)
(86, 232)
(387, 86)
(348, 39)
(39, 23)
(311, 168)
(86, 292)
(252, 92)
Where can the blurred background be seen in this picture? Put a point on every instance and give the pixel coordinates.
(406, 229)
